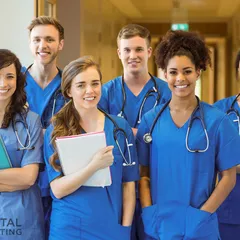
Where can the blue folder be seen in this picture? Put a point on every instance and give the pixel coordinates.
(5, 161)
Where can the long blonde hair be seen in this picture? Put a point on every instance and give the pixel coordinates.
(66, 121)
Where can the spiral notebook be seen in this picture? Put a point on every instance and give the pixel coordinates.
(75, 152)
(5, 161)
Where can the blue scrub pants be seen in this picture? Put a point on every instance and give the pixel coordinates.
(47, 209)
(137, 231)
(229, 231)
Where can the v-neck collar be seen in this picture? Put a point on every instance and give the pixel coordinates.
(48, 87)
(143, 91)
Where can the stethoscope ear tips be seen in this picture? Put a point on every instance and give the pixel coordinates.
(147, 138)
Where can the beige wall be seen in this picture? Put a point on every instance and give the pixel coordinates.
(14, 20)
(100, 24)
(234, 44)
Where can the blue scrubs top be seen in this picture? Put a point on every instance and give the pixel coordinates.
(23, 208)
(112, 99)
(93, 212)
(229, 211)
(41, 101)
(181, 181)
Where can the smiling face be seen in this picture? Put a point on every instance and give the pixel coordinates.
(134, 54)
(8, 84)
(85, 89)
(181, 76)
(45, 43)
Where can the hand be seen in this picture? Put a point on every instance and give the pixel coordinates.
(103, 158)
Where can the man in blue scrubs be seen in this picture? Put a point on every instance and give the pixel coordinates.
(136, 91)
(229, 211)
(46, 39)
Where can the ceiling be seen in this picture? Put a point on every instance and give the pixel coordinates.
(167, 10)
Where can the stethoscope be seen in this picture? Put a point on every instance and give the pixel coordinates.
(56, 94)
(148, 94)
(27, 146)
(148, 136)
(231, 110)
(116, 131)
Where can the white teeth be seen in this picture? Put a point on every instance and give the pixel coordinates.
(3, 91)
(43, 54)
(181, 86)
(89, 98)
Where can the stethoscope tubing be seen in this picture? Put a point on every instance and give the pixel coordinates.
(148, 136)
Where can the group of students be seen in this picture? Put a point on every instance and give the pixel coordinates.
(179, 143)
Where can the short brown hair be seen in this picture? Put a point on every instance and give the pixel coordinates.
(45, 20)
(133, 30)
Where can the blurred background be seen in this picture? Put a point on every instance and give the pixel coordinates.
(91, 28)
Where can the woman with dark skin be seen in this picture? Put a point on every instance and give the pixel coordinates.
(179, 165)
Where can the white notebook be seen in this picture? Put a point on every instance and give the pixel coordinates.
(75, 152)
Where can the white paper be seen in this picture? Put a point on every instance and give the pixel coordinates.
(75, 153)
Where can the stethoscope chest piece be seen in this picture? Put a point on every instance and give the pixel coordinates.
(147, 138)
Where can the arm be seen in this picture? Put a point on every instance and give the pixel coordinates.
(238, 169)
(25, 176)
(221, 191)
(9, 188)
(129, 202)
(65, 185)
(144, 187)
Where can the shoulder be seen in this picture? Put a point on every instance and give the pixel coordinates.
(213, 116)
(160, 82)
(23, 69)
(152, 114)
(121, 122)
(114, 83)
(32, 118)
(224, 104)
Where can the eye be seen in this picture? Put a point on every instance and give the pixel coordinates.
(80, 85)
(139, 50)
(188, 72)
(50, 40)
(96, 84)
(173, 72)
(10, 77)
(36, 40)
(126, 50)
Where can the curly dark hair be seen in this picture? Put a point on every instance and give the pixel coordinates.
(181, 43)
(18, 101)
(237, 64)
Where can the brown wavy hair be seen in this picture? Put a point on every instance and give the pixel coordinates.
(181, 43)
(18, 100)
(66, 121)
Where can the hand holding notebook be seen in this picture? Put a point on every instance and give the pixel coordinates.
(76, 152)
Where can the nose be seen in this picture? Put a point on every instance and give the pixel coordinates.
(42, 44)
(2, 81)
(89, 88)
(133, 55)
(180, 77)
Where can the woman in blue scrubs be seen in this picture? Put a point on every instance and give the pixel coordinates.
(21, 210)
(189, 143)
(229, 212)
(80, 212)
